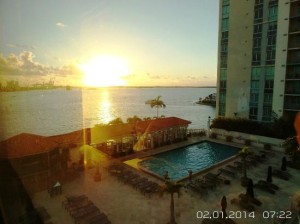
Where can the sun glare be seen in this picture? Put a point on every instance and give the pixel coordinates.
(105, 71)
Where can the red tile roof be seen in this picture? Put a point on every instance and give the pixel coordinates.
(24, 145)
(29, 144)
(65, 140)
(160, 124)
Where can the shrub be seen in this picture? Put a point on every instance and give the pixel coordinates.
(247, 142)
(202, 133)
(279, 128)
(213, 135)
(228, 138)
(267, 146)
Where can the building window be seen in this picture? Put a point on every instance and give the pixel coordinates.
(272, 26)
(222, 98)
(224, 36)
(273, 10)
(269, 72)
(271, 55)
(224, 47)
(257, 28)
(225, 11)
(256, 73)
(223, 84)
(267, 114)
(257, 42)
(268, 98)
(269, 84)
(225, 2)
(255, 85)
(223, 74)
(222, 109)
(257, 2)
(272, 40)
(254, 98)
(258, 12)
(253, 113)
(223, 61)
(225, 23)
(256, 56)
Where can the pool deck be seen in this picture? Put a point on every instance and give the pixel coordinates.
(124, 204)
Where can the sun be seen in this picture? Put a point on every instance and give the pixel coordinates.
(104, 71)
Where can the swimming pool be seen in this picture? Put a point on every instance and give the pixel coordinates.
(194, 157)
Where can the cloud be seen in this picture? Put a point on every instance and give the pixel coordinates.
(61, 25)
(190, 77)
(21, 46)
(25, 65)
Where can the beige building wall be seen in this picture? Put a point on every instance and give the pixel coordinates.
(281, 56)
(239, 58)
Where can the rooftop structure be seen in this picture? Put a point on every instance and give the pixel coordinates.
(41, 160)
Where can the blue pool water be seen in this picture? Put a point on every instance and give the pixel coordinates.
(194, 157)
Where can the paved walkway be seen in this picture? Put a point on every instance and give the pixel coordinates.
(125, 205)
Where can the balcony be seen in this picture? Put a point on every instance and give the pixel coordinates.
(292, 91)
(294, 25)
(294, 42)
(293, 57)
(295, 10)
(293, 76)
(291, 106)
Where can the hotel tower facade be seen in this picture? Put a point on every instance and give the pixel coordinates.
(258, 59)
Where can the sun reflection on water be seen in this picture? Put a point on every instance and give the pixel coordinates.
(105, 107)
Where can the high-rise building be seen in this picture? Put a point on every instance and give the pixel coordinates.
(258, 59)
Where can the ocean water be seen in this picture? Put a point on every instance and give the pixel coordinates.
(58, 111)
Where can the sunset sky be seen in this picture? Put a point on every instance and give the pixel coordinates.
(109, 42)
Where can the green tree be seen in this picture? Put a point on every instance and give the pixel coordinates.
(291, 148)
(244, 153)
(133, 119)
(117, 120)
(171, 188)
(147, 118)
(157, 103)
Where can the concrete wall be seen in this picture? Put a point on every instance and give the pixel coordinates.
(239, 58)
(256, 140)
(281, 56)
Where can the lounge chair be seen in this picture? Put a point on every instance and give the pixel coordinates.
(87, 211)
(271, 185)
(247, 199)
(227, 172)
(234, 168)
(281, 174)
(243, 205)
(258, 158)
(213, 177)
(264, 187)
(241, 164)
(99, 219)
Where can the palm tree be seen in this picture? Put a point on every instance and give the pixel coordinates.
(157, 103)
(171, 188)
(244, 153)
(292, 148)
